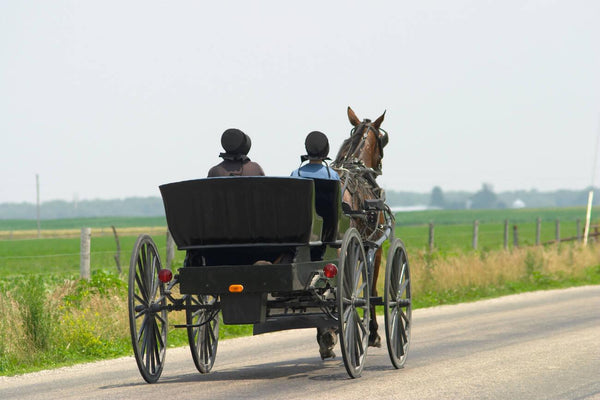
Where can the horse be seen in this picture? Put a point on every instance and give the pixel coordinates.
(358, 163)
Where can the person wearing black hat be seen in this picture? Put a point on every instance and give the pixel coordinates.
(317, 149)
(235, 159)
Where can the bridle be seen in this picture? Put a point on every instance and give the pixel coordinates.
(354, 150)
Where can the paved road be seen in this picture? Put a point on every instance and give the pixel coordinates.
(542, 345)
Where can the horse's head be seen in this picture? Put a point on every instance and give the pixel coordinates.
(365, 144)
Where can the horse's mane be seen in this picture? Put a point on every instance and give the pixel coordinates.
(349, 144)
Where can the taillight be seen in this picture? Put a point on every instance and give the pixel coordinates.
(330, 270)
(165, 275)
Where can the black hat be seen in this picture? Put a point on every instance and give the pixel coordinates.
(317, 146)
(235, 142)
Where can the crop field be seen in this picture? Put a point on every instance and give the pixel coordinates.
(56, 252)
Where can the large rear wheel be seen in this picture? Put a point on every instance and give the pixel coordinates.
(203, 331)
(353, 303)
(397, 303)
(147, 312)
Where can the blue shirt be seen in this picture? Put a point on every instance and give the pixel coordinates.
(318, 171)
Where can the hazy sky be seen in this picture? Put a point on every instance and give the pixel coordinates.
(109, 99)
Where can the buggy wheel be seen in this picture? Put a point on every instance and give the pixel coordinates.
(203, 331)
(147, 312)
(353, 303)
(397, 303)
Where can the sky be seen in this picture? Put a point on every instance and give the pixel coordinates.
(110, 99)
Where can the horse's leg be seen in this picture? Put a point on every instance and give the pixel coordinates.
(374, 339)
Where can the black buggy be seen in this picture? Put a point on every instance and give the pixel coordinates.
(277, 253)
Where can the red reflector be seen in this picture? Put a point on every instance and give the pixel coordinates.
(330, 270)
(165, 275)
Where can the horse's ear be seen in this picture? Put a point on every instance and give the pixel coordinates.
(353, 118)
(379, 120)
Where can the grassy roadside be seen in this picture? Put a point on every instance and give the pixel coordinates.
(55, 321)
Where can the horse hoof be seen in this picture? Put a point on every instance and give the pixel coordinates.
(327, 341)
(374, 340)
(327, 354)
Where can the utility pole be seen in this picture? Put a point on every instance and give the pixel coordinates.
(37, 190)
(586, 230)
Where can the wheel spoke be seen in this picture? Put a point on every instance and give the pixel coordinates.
(160, 318)
(142, 287)
(140, 300)
(402, 289)
(401, 326)
(357, 275)
(360, 289)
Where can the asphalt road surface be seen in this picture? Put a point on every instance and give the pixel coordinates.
(542, 345)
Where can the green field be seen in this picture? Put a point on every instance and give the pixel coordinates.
(61, 257)
(77, 223)
(457, 217)
(453, 233)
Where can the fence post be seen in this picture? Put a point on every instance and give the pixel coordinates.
(475, 234)
(578, 229)
(117, 255)
(557, 230)
(505, 234)
(538, 231)
(431, 237)
(170, 249)
(84, 259)
(515, 236)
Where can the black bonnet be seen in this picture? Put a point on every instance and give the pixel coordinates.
(317, 146)
(235, 142)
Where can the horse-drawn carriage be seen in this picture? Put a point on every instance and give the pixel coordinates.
(277, 253)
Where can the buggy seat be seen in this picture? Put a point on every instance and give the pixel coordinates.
(327, 205)
(241, 212)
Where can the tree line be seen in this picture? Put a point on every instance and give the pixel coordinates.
(485, 198)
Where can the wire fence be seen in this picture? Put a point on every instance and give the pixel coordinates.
(492, 235)
(61, 253)
(64, 255)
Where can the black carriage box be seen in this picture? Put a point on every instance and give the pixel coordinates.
(257, 232)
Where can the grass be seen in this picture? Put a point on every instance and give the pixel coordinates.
(54, 321)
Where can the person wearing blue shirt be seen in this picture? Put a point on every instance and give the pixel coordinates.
(317, 149)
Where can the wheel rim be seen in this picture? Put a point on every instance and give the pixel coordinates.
(353, 303)
(204, 336)
(398, 304)
(147, 316)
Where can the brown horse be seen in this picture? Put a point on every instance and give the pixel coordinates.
(358, 163)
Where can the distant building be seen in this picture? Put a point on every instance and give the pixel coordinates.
(518, 203)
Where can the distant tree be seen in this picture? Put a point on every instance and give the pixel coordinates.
(437, 198)
(484, 198)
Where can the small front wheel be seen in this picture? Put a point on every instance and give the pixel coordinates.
(203, 331)
(147, 311)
